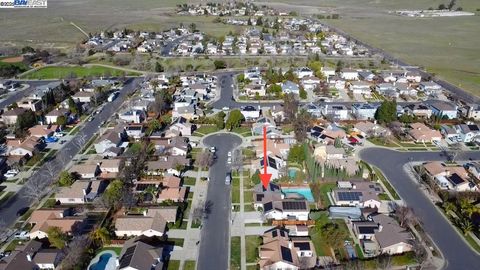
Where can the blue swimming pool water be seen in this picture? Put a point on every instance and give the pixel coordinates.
(305, 192)
(102, 262)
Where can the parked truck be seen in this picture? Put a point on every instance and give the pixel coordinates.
(112, 96)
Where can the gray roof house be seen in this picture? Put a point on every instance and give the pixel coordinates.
(137, 255)
(290, 87)
(111, 139)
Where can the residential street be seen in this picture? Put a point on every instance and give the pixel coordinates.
(458, 254)
(215, 240)
(9, 209)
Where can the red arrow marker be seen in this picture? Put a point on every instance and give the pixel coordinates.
(265, 177)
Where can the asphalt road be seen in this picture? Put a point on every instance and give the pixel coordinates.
(215, 240)
(457, 253)
(9, 209)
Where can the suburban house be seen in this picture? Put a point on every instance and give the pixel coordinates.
(183, 127)
(42, 131)
(327, 135)
(255, 89)
(335, 112)
(135, 131)
(42, 219)
(468, 132)
(290, 87)
(357, 193)
(176, 194)
(83, 97)
(111, 139)
(10, 117)
(369, 129)
(473, 112)
(166, 165)
(52, 116)
(359, 87)
(80, 192)
(109, 168)
(31, 256)
(429, 87)
(449, 177)
(137, 225)
(27, 147)
(275, 147)
(250, 112)
(349, 74)
(419, 110)
(85, 171)
(327, 72)
(262, 195)
(269, 124)
(303, 72)
(310, 82)
(443, 109)
(133, 116)
(176, 146)
(287, 209)
(421, 133)
(138, 255)
(274, 166)
(364, 111)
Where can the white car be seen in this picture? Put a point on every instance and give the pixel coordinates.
(229, 154)
(229, 160)
(225, 108)
(22, 235)
(213, 149)
(11, 173)
(58, 134)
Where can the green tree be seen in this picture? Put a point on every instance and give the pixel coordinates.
(62, 120)
(234, 120)
(113, 193)
(303, 93)
(57, 237)
(387, 112)
(100, 236)
(296, 154)
(259, 21)
(159, 67)
(465, 225)
(219, 64)
(154, 125)
(65, 179)
(25, 121)
(256, 177)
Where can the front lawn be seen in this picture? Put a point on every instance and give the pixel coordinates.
(247, 196)
(189, 181)
(189, 265)
(243, 131)
(235, 250)
(205, 129)
(173, 265)
(252, 242)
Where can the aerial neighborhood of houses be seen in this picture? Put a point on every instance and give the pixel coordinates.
(165, 169)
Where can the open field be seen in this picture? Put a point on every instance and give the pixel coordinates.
(447, 47)
(63, 72)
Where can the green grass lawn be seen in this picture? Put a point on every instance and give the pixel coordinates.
(248, 207)
(6, 197)
(235, 190)
(384, 197)
(244, 131)
(189, 265)
(325, 188)
(117, 250)
(173, 265)
(252, 242)
(384, 180)
(205, 129)
(64, 72)
(235, 250)
(176, 241)
(189, 181)
(247, 196)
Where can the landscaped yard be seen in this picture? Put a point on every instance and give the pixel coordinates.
(64, 72)
(205, 129)
(189, 181)
(248, 207)
(176, 241)
(173, 265)
(235, 250)
(189, 265)
(244, 131)
(384, 180)
(323, 241)
(320, 193)
(252, 242)
(248, 196)
(235, 190)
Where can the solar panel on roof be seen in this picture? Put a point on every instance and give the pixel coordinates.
(286, 254)
(349, 196)
(456, 179)
(302, 245)
(292, 205)
(268, 206)
(127, 257)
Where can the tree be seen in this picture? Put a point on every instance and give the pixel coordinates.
(442, 7)
(204, 159)
(296, 154)
(256, 177)
(65, 179)
(25, 121)
(301, 125)
(62, 120)
(163, 100)
(290, 107)
(57, 237)
(100, 236)
(387, 112)
(36, 188)
(465, 225)
(449, 207)
(75, 252)
(303, 93)
(154, 125)
(159, 67)
(113, 193)
(219, 64)
(405, 216)
(259, 21)
(234, 120)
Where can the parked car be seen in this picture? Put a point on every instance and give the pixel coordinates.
(11, 173)
(22, 211)
(228, 178)
(22, 235)
(213, 149)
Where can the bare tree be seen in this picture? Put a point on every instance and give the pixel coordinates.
(405, 216)
(75, 251)
(204, 159)
(384, 261)
(50, 171)
(237, 159)
(36, 188)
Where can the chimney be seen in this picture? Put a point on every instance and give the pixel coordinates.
(447, 172)
(84, 190)
(144, 212)
(380, 227)
(29, 257)
(290, 244)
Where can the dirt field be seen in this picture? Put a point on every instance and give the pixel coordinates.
(17, 59)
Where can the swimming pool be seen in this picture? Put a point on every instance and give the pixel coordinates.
(305, 192)
(103, 261)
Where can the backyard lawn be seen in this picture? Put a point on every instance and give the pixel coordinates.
(235, 250)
